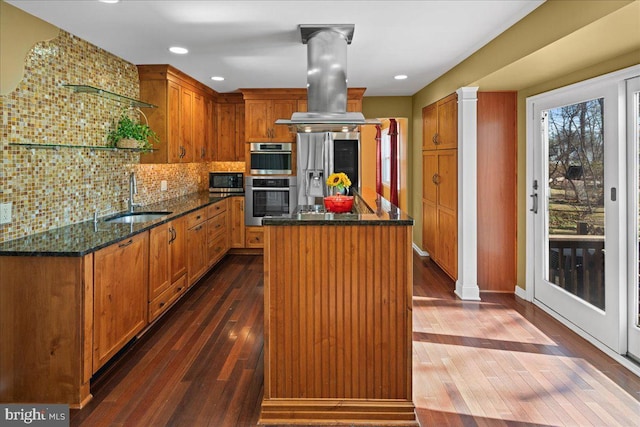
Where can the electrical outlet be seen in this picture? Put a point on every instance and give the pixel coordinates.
(163, 185)
(5, 213)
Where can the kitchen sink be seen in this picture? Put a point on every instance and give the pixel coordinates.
(131, 217)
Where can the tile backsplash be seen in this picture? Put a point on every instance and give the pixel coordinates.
(50, 188)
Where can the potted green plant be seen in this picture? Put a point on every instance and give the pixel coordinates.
(127, 133)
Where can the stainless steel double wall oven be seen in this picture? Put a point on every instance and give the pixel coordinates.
(270, 190)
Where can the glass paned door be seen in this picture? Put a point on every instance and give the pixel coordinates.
(578, 166)
(575, 225)
(633, 148)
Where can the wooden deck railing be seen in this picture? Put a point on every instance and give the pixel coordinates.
(576, 263)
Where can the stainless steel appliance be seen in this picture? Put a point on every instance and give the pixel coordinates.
(326, 82)
(319, 155)
(226, 182)
(269, 196)
(270, 158)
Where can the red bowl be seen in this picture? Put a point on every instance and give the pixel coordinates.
(338, 204)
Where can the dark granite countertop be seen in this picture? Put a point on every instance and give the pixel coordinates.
(371, 208)
(86, 237)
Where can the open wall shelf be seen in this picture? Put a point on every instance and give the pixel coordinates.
(109, 95)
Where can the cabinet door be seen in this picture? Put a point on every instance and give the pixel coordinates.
(237, 222)
(447, 240)
(226, 130)
(254, 237)
(178, 249)
(429, 126)
(209, 129)
(199, 146)
(240, 137)
(120, 295)
(429, 228)
(186, 125)
(159, 268)
(448, 179)
(282, 109)
(256, 117)
(173, 123)
(430, 176)
(197, 262)
(447, 123)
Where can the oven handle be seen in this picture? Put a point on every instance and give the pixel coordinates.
(254, 189)
(270, 152)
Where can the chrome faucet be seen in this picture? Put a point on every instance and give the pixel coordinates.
(133, 189)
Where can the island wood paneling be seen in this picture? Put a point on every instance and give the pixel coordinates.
(338, 324)
(46, 329)
(497, 203)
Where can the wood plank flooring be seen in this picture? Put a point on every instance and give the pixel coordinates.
(501, 361)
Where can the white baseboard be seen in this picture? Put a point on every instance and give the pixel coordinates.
(521, 293)
(420, 251)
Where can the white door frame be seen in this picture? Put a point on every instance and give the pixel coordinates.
(620, 77)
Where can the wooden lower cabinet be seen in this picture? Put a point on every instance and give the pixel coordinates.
(167, 265)
(237, 229)
(46, 327)
(120, 295)
(217, 231)
(254, 237)
(198, 255)
(338, 325)
(439, 213)
(62, 318)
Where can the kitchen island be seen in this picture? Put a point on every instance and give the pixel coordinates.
(338, 306)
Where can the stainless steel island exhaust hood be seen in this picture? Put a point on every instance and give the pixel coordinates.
(326, 82)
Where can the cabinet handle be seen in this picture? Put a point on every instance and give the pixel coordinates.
(198, 217)
(172, 233)
(202, 153)
(161, 305)
(198, 228)
(122, 245)
(435, 178)
(179, 289)
(435, 139)
(218, 225)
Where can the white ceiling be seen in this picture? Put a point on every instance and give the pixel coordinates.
(256, 44)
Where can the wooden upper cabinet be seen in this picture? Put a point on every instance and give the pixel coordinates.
(230, 128)
(186, 126)
(210, 136)
(440, 124)
(182, 118)
(264, 106)
(260, 117)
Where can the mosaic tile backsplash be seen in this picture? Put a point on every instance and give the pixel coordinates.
(53, 188)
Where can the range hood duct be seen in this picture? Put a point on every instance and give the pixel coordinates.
(326, 82)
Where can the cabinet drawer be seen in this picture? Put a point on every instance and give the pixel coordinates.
(167, 298)
(255, 237)
(216, 225)
(196, 218)
(216, 208)
(218, 248)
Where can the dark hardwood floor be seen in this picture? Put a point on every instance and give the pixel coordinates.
(501, 361)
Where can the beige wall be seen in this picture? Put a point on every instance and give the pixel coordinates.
(559, 43)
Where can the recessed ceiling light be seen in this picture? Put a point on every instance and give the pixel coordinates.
(400, 77)
(109, 1)
(178, 50)
(217, 78)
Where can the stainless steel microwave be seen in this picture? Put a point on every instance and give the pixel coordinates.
(226, 182)
(270, 158)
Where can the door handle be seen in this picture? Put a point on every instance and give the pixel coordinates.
(534, 207)
(435, 179)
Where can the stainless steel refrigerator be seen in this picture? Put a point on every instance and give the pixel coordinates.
(319, 155)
